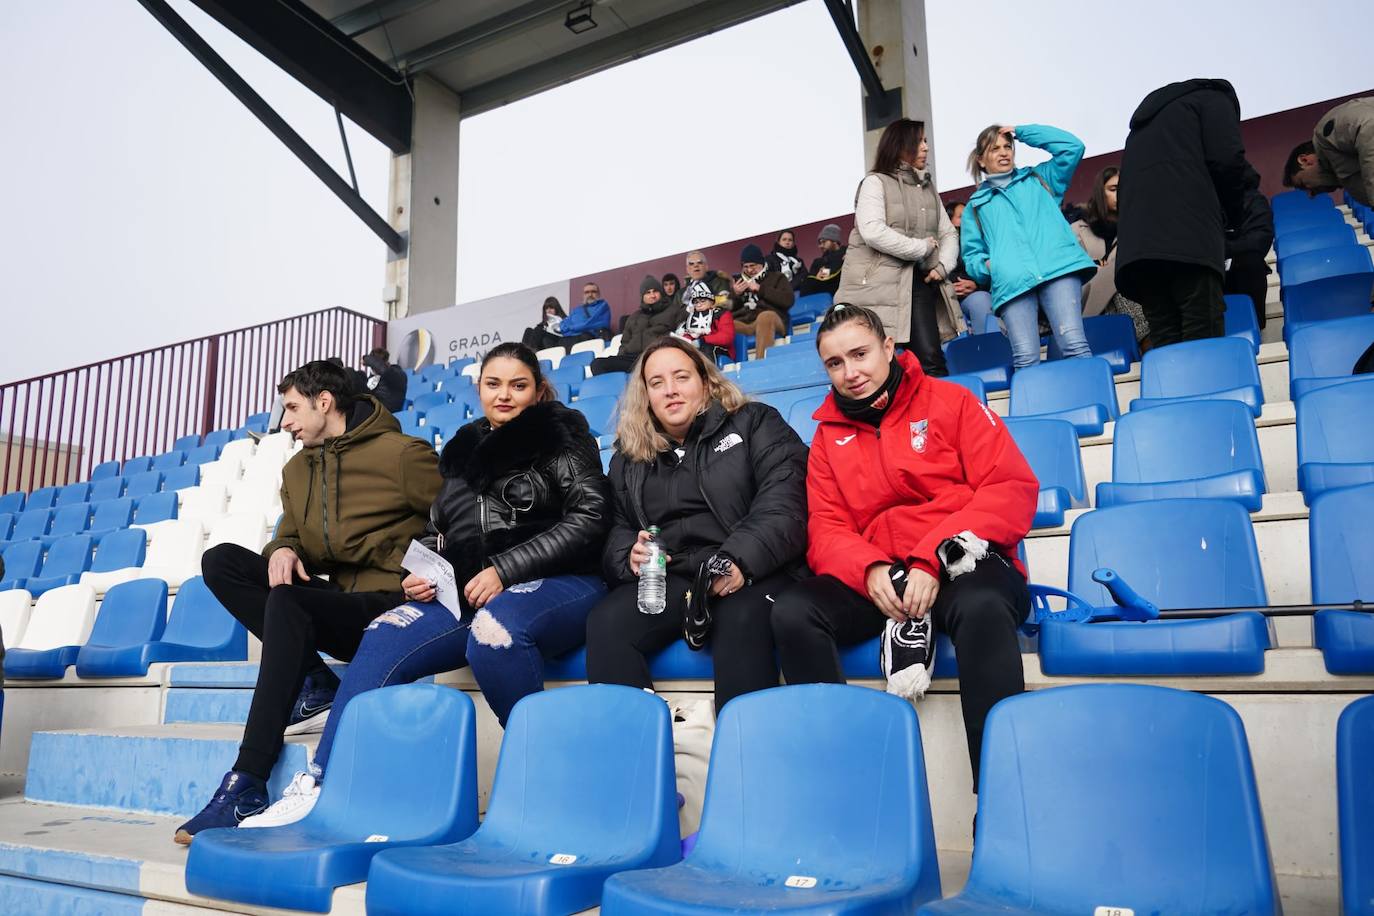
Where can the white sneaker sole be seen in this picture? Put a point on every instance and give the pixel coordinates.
(269, 818)
(309, 726)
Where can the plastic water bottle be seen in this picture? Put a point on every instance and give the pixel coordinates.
(653, 577)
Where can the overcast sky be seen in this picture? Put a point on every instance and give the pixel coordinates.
(145, 205)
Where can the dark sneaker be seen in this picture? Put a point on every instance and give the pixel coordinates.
(312, 708)
(239, 796)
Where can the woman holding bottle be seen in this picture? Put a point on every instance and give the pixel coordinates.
(724, 479)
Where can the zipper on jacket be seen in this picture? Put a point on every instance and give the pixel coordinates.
(324, 503)
(482, 514)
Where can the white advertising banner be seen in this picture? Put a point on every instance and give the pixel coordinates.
(469, 329)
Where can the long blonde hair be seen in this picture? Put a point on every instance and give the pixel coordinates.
(639, 436)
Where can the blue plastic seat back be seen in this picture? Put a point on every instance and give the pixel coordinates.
(434, 373)
(1064, 385)
(143, 484)
(769, 375)
(22, 560)
(600, 413)
(70, 520)
(972, 382)
(156, 507)
(258, 421)
(446, 416)
(181, 478)
(1159, 812)
(42, 498)
(800, 417)
(1327, 350)
(140, 465)
(1241, 320)
(112, 514)
(1288, 222)
(1106, 334)
(198, 619)
(458, 365)
(427, 402)
(72, 494)
(409, 417)
(580, 360)
(1355, 804)
(106, 488)
(425, 731)
(6, 525)
(204, 454)
(1340, 539)
(13, 502)
(1326, 283)
(608, 384)
(105, 469)
(187, 443)
(866, 817)
(1336, 424)
(68, 556)
(571, 375)
(1184, 441)
(31, 523)
(1330, 235)
(613, 792)
(123, 549)
(168, 460)
(220, 437)
(1177, 553)
(1197, 368)
(131, 614)
(1051, 448)
(975, 353)
(1297, 200)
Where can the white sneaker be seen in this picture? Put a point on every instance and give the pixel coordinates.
(295, 803)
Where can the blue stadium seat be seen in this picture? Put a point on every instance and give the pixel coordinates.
(67, 521)
(1336, 437)
(132, 614)
(1110, 337)
(1186, 449)
(782, 401)
(863, 843)
(609, 384)
(579, 360)
(545, 366)
(800, 417)
(1301, 220)
(143, 484)
(417, 388)
(1325, 284)
(258, 421)
(1324, 353)
(435, 372)
(1176, 553)
(987, 356)
(599, 411)
(447, 416)
(110, 515)
(204, 454)
(42, 498)
(1051, 448)
(1313, 238)
(562, 392)
(1078, 390)
(6, 526)
(409, 418)
(106, 488)
(22, 562)
(426, 402)
(456, 366)
(404, 773)
(187, 443)
(31, 524)
(572, 376)
(12, 502)
(1241, 321)
(105, 469)
(606, 455)
(766, 375)
(1296, 199)
(72, 494)
(1339, 538)
(610, 805)
(1355, 805)
(220, 437)
(1219, 368)
(155, 507)
(199, 629)
(140, 465)
(168, 460)
(125, 548)
(66, 560)
(180, 478)
(1143, 821)
(973, 383)
(809, 308)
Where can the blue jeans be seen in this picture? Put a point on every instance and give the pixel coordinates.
(977, 307)
(505, 643)
(1062, 301)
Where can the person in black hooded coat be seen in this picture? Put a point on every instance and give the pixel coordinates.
(1183, 181)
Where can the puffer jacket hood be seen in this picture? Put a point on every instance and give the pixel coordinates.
(1155, 102)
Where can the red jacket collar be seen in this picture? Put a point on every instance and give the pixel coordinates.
(913, 377)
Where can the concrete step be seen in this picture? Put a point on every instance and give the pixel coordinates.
(167, 770)
(215, 705)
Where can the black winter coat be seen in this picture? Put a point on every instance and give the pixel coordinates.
(528, 498)
(1183, 179)
(751, 470)
(1255, 233)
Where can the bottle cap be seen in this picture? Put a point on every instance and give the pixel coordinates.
(653, 531)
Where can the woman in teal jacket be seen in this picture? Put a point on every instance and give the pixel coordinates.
(1015, 239)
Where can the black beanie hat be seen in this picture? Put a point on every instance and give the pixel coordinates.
(752, 254)
(649, 282)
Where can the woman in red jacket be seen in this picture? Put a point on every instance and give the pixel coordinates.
(908, 472)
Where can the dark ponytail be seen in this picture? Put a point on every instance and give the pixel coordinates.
(843, 313)
(515, 350)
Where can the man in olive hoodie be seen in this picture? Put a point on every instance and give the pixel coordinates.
(1339, 155)
(352, 500)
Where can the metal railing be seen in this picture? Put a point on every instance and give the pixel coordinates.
(58, 427)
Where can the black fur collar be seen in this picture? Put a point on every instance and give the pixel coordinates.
(479, 455)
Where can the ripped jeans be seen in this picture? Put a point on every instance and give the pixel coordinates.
(505, 643)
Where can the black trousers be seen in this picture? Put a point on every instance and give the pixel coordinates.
(925, 326)
(294, 622)
(540, 339)
(1181, 301)
(621, 362)
(620, 638)
(1249, 276)
(980, 611)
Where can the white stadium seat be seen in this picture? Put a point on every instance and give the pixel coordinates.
(595, 345)
(15, 606)
(553, 354)
(174, 549)
(247, 529)
(62, 617)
